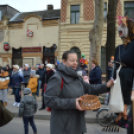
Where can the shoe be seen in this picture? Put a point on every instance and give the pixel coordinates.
(18, 105)
(15, 104)
(41, 108)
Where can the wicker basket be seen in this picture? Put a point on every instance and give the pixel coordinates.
(90, 102)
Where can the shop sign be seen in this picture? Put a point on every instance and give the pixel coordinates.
(29, 33)
(31, 49)
(6, 46)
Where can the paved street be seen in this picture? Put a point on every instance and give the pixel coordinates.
(16, 127)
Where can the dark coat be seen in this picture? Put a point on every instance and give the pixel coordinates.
(65, 118)
(95, 76)
(28, 106)
(46, 77)
(16, 80)
(26, 74)
(40, 72)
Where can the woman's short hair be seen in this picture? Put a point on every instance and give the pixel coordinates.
(95, 62)
(66, 53)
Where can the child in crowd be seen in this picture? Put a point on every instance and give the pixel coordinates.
(4, 80)
(85, 77)
(27, 109)
(33, 83)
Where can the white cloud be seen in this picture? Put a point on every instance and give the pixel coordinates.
(31, 5)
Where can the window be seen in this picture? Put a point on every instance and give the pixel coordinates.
(0, 15)
(129, 9)
(105, 11)
(75, 14)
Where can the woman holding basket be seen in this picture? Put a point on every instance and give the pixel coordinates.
(63, 94)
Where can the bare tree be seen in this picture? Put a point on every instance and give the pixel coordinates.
(95, 35)
(111, 29)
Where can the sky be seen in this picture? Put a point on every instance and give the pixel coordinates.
(31, 5)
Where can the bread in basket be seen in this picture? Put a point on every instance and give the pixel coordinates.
(90, 102)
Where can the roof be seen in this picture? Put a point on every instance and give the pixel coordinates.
(9, 6)
(44, 15)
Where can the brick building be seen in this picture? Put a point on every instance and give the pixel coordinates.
(77, 18)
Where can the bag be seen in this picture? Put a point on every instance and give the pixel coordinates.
(116, 104)
(5, 115)
(45, 86)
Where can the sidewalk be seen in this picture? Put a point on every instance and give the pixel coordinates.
(90, 116)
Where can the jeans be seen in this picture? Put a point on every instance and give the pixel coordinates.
(39, 86)
(26, 121)
(17, 94)
(3, 95)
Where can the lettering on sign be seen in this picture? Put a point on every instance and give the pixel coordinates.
(31, 49)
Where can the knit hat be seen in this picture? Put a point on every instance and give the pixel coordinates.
(49, 66)
(27, 91)
(4, 69)
(26, 65)
(16, 67)
(33, 72)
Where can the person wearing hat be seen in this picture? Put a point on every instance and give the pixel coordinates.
(26, 73)
(4, 80)
(15, 83)
(33, 82)
(27, 109)
(47, 75)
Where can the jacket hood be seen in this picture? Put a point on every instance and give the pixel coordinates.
(28, 99)
(67, 70)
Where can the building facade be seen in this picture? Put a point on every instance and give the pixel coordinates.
(77, 18)
(33, 38)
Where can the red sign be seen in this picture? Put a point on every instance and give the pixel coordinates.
(29, 33)
(6, 47)
(31, 49)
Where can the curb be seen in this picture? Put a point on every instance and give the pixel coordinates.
(47, 117)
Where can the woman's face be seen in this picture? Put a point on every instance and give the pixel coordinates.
(92, 65)
(2, 71)
(47, 69)
(14, 69)
(71, 61)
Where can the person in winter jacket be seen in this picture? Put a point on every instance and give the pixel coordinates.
(67, 116)
(33, 83)
(27, 109)
(47, 75)
(15, 83)
(95, 73)
(4, 80)
(26, 73)
(40, 72)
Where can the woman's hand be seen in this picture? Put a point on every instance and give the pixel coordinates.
(110, 83)
(78, 105)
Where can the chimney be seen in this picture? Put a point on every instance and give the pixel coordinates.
(49, 7)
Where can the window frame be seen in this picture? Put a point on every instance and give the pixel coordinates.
(105, 9)
(76, 11)
(0, 15)
(127, 8)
